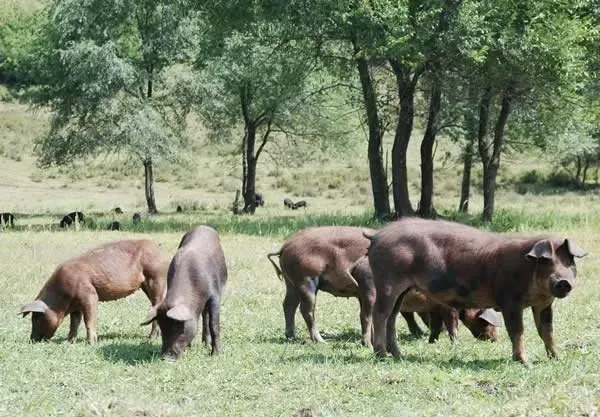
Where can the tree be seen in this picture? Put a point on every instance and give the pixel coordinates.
(270, 84)
(112, 84)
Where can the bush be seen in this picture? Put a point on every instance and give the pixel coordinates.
(560, 179)
(531, 177)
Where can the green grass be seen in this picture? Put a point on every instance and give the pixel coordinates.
(259, 372)
(262, 374)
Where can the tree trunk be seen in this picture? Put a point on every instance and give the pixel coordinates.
(149, 186)
(465, 188)
(249, 188)
(490, 169)
(406, 92)
(381, 201)
(426, 201)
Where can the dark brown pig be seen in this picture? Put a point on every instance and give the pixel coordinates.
(320, 258)
(462, 266)
(195, 283)
(108, 272)
(482, 323)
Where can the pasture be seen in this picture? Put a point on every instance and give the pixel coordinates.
(260, 373)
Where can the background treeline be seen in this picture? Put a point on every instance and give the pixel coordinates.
(126, 76)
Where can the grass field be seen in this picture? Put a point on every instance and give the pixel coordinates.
(260, 373)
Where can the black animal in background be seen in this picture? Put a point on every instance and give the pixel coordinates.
(260, 201)
(7, 219)
(118, 210)
(69, 219)
(299, 204)
(114, 226)
(136, 218)
(288, 202)
(179, 209)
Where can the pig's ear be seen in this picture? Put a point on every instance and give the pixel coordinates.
(574, 250)
(150, 317)
(491, 316)
(542, 250)
(180, 313)
(37, 306)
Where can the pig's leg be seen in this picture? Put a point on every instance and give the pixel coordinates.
(206, 338)
(450, 319)
(75, 321)
(155, 291)
(436, 324)
(367, 301)
(513, 319)
(413, 327)
(308, 297)
(543, 322)
(214, 319)
(392, 344)
(90, 310)
(290, 305)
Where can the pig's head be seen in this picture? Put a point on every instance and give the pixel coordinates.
(483, 323)
(555, 269)
(178, 326)
(44, 321)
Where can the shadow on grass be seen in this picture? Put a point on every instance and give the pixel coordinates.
(346, 336)
(130, 353)
(367, 356)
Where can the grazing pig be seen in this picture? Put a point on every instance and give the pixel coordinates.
(179, 209)
(114, 226)
(300, 203)
(136, 218)
(287, 202)
(482, 323)
(462, 266)
(320, 258)
(71, 218)
(195, 282)
(108, 272)
(260, 201)
(118, 210)
(7, 219)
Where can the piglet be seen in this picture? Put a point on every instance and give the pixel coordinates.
(195, 281)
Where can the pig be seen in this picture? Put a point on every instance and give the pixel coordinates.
(482, 323)
(461, 266)
(320, 258)
(195, 282)
(105, 273)
(7, 219)
(71, 218)
(288, 202)
(136, 218)
(298, 204)
(118, 210)
(260, 201)
(114, 226)
(179, 209)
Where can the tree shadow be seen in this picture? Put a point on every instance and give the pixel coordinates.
(130, 353)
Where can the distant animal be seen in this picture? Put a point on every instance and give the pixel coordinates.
(179, 209)
(7, 219)
(71, 218)
(196, 278)
(299, 204)
(260, 201)
(107, 272)
(462, 266)
(118, 210)
(287, 202)
(114, 226)
(136, 218)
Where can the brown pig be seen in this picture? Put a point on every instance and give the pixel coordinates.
(482, 323)
(108, 272)
(319, 258)
(195, 282)
(462, 266)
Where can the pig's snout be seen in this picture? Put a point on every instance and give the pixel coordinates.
(561, 288)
